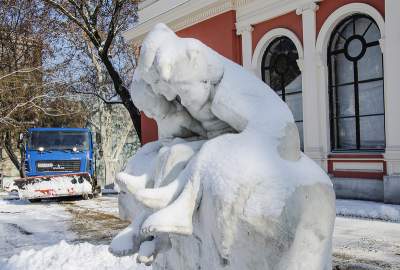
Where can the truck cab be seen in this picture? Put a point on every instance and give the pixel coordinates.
(52, 151)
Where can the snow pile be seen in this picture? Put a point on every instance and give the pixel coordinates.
(65, 256)
(24, 224)
(369, 210)
(225, 186)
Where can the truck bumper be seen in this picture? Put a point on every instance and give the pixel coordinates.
(43, 187)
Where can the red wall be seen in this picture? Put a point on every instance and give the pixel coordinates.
(218, 33)
(327, 7)
(149, 129)
(291, 21)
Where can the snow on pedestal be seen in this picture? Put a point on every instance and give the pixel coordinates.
(226, 185)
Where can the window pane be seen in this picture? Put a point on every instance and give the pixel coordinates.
(372, 132)
(294, 102)
(266, 76)
(300, 128)
(345, 100)
(362, 24)
(371, 98)
(373, 34)
(344, 69)
(370, 65)
(275, 80)
(294, 85)
(347, 133)
(291, 75)
(346, 30)
(355, 48)
(267, 59)
(338, 42)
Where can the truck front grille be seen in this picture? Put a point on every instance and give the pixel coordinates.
(58, 166)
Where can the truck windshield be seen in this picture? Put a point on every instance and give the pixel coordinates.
(59, 140)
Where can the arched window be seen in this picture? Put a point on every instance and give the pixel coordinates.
(356, 85)
(280, 71)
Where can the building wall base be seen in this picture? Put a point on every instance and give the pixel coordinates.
(359, 189)
(392, 189)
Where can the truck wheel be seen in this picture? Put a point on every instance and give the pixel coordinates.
(85, 196)
(97, 192)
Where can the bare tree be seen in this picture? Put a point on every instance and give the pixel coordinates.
(25, 99)
(101, 23)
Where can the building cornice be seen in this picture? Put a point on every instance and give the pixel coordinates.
(260, 11)
(184, 13)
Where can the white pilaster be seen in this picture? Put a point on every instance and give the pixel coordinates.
(312, 117)
(247, 44)
(392, 85)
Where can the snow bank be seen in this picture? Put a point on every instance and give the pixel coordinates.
(226, 185)
(66, 256)
(369, 210)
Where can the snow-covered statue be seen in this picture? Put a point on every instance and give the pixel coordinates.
(226, 185)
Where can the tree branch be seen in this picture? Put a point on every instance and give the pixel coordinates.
(61, 9)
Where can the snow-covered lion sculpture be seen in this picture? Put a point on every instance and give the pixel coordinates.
(226, 185)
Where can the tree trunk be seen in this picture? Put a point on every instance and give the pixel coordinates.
(10, 152)
(123, 92)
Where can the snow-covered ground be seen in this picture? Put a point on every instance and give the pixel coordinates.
(74, 235)
(68, 235)
(368, 210)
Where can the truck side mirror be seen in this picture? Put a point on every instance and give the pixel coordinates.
(21, 138)
(21, 141)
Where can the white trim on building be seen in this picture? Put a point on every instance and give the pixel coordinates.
(391, 46)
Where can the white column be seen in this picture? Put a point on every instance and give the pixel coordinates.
(247, 44)
(312, 117)
(391, 45)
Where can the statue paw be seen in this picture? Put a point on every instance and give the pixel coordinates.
(149, 249)
(125, 243)
(147, 252)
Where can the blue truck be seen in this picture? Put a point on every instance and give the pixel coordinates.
(58, 162)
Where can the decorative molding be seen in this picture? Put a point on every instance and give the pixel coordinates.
(300, 63)
(202, 15)
(182, 16)
(263, 10)
(185, 13)
(311, 6)
(382, 44)
(319, 60)
(358, 166)
(241, 3)
(241, 29)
